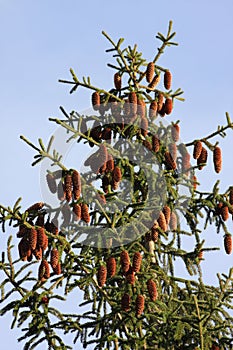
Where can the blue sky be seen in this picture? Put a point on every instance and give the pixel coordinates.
(41, 40)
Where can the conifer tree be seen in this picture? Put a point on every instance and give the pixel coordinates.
(109, 232)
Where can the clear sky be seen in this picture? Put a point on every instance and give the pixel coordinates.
(41, 40)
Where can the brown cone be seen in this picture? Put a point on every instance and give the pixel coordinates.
(155, 143)
(102, 275)
(85, 216)
(167, 80)
(153, 110)
(137, 260)
(125, 302)
(76, 180)
(77, 211)
(173, 221)
(167, 213)
(175, 131)
(116, 174)
(125, 261)
(42, 239)
(150, 70)
(68, 187)
(155, 81)
(224, 212)
(202, 159)
(197, 149)
(228, 243)
(168, 106)
(162, 221)
(152, 290)
(140, 302)
(111, 266)
(32, 237)
(54, 258)
(95, 98)
(217, 158)
(24, 249)
(117, 81)
(170, 161)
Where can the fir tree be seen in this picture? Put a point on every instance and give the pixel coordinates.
(113, 230)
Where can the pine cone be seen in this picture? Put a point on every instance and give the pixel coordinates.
(173, 221)
(133, 97)
(162, 221)
(110, 163)
(111, 266)
(141, 108)
(217, 158)
(24, 249)
(147, 144)
(160, 101)
(52, 226)
(152, 290)
(130, 277)
(117, 81)
(125, 261)
(150, 70)
(155, 144)
(197, 149)
(95, 100)
(173, 150)
(57, 270)
(85, 216)
(133, 102)
(68, 187)
(76, 180)
(137, 259)
(125, 302)
(228, 243)
(40, 220)
(144, 126)
(42, 239)
(35, 207)
(171, 164)
(154, 233)
(102, 275)
(54, 258)
(116, 174)
(38, 253)
(167, 213)
(167, 80)
(175, 131)
(186, 165)
(153, 110)
(77, 211)
(155, 81)
(202, 159)
(32, 238)
(44, 271)
(224, 212)
(168, 106)
(105, 183)
(140, 301)
(107, 134)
